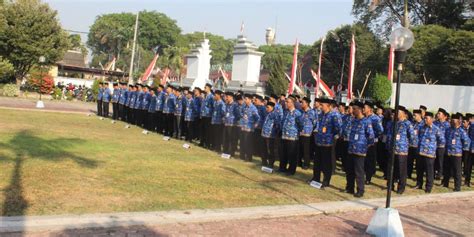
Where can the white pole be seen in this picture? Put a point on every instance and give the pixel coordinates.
(130, 74)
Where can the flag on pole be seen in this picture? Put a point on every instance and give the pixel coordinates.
(149, 69)
(316, 85)
(291, 86)
(391, 56)
(319, 66)
(322, 85)
(351, 69)
(297, 88)
(242, 26)
(166, 73)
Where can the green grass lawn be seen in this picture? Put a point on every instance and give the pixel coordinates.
(55, 163)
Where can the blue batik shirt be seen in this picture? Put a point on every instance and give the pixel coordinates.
(291, 125)
(471, 135)
(249, 118)
(207, 106)
(346, 130)
(152, 107)
(361, 135)
(271, 125)
(123, 96)
(179, 105)
(457, 141)
(308, 121)
(218, 112)
(188, 113)
(444, 126)
(405, 136)
(133, 97)
(232, 114)
(160, 101)
(416, 128)
(328, 125)
(346, 119)
(262, 112)
(197, 103)
(115, 95)
(139, 100)
(376, 126)
(170, 104)
(106, 95)
(146, 101)
(99, 94)
(429, 138)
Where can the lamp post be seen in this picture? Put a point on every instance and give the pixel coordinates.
(386, 221)
(39, 103)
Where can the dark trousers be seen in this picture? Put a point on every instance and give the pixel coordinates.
(115, 111)
(268, 158)
(420, 169)
(216, 136)
(382, 157)
(467, 158)
(400, 171)
(205, 133)
(151, 121)
(304, 152)
(290, 148)
(412, 154)
(120, 112)
(105, 109)
(355, 173)
(159, 122)
(229, 140)
(177, 126)
(189, 130)
(439, 163)
(323, 163)
(453, 169)
(125, 113)
(344, 154)
(99, 107)
(429, 168)
(168, 124)
(258, 140)
(370, 162)
(246, 145)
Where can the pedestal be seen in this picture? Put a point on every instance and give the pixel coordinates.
(386, 223)
(39, 104)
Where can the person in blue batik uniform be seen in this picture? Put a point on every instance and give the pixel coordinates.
(197, 122)
(443, 124)
(259, 145)
(115, 100)
(106, 96)
(308, 121)
(291, 127)
(99, 99)
(429, 136)
(361, 136)
(151, 112)
(217, 121)
(168, 110)
(404, 137)
(131, 104)
(413, 149)
(328, 127)
(189, 116)
(457, 141)
(270, 130)
(160, 104)
(230, 124)
(126, 109)
(144, 106)
(122, 100)
(371, 158)
(138, 104)
(466, 153)
(470, 161)
(248, 123)
(206, 114)
(178, 112)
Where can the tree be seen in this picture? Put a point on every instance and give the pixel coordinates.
(221, 48)
(286, 52)
(76, 44)
(41, 81)
(459, 57)
(276, 83)
(6, 70)
(381, 17)
(32, 30)
(380, 88)
(172, 58)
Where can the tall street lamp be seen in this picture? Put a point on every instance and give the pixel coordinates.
(39, 103)
(386, 221)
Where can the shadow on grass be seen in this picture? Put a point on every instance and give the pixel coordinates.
(25, 145)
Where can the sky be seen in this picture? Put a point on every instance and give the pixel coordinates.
(305, 20)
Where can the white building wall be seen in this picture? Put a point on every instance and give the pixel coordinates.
(451, 98)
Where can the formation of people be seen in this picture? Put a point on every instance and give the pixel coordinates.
(299, 132)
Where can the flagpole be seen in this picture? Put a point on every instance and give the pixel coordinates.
(130, 73)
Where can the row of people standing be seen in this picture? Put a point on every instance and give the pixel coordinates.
(288, 129)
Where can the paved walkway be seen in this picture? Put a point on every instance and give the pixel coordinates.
(448, 214)
(50, 105)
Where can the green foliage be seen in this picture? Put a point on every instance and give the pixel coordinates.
(10, 90)
(380, 88)
(76, 44)
(69, 95)
(221, 48)
(276, 83)
(286, 52)
(6, 70)
(41, 82)
(32, 30)
(468, 25)
(56, 93)
(459, 57)
(95, 88)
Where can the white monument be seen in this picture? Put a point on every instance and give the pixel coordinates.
(198, 65)
(246, 68)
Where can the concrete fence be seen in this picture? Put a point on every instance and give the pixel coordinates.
(451, 98)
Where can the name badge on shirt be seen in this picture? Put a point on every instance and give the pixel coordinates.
(227, 115)
(453, 142)
(356, 137)
(324, 130)
(416, 132)
(398, 137)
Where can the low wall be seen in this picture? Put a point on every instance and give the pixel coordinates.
(75, 81)
(451, 98)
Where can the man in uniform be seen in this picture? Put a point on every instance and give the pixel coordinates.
(178, 112)
(106, 95)
(442, 124)
(308, 122)
(160, 104)
(470, 162)
(429, 137)
(327, 127)
(115, 100)
(168, 110)
(291, 127)
(413, 149)
(145, 105)
(151, 113)
(248, 121)
(217, 120)
(189, 116)
(457, 141)
(99, 99)
(197, 103)
(122, 101)
(138, 105)
(361, 135)
(423, 111)
(270, 130)
(371, 158)
(231, 118)
(258, 140)
(206, 114)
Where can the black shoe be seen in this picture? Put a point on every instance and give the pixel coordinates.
(348, 191)
(367, 182)
(428, 191)
(358, 195)
(418, 187)
(457, 190)
(400, 191)
(446, 185)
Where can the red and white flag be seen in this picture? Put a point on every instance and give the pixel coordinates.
(149, 69)
(351, 68)
(391, 56)
(166, 73)
(291, 86)
(316, 85)
(322, 85)
(319, 66)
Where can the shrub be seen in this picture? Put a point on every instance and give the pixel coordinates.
(56, 93)
(10, 90)
(45, 86)
(380, 88)
(69, 95)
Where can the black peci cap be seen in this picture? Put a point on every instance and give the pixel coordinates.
(423, 107)
(271, 104)
(308, 100)
(417, 111)
(429, 114)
